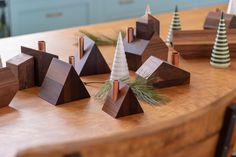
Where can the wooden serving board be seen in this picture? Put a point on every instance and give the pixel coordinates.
(31, 121)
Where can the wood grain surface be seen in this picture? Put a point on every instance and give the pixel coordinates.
(178, 138)
(31, 121)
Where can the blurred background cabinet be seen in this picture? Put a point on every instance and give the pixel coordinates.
(29, 16)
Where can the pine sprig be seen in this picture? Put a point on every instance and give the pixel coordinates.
(146, 92)
(141, 89)
(101, 39)
(103, 91)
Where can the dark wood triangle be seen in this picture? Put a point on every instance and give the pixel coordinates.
(73, 89)
(94, 63)
(126, 104)
(62, 84)
(130, 105)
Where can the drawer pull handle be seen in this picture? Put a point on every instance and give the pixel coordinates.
(54, 15)
(125, 2)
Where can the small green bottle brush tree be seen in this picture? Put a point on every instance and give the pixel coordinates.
(220, 57)
(174, 26)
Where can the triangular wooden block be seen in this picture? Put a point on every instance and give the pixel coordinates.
(213, 19)
(42, 61)
(92, 61)
(125, 105)
(62, 84)
(9, 86)
(162, 73)
(138, 51)
(146, 26)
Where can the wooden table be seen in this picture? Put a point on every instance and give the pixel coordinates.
(31, 121)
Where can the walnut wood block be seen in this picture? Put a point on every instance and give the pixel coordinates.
(176, 140)
(138, 51)
(146, 26)
(22, 67)
(213, 19)
(199, 43)
(125, 105)
(9, 85)
(162, 73)
(193, 110)
(92, 62)
(42, 61)
(62, 84)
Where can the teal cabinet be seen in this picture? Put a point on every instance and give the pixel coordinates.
(29, 16)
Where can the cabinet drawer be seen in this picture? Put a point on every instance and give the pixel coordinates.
(29, 20)
(123, 8)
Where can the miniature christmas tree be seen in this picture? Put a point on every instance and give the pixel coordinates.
(148, 10)
(232, 7)
(0, 62)
(120, 66)
(175, 25)
(220, 56)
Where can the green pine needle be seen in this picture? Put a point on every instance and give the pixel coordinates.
(141, 89)
(146, 92)
(103, 91)
(102, 40)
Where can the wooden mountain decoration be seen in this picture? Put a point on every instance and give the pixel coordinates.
(139, 50)
(213, 19)
(9, 86)
(119, 67)
(162, 73)
(220, 57)
(174, 26)
(62, 84)
(121, 102)
(192, 44)
(147, 25)
(22, 67)
(90, 60)
(232, 7)
(42, 61)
